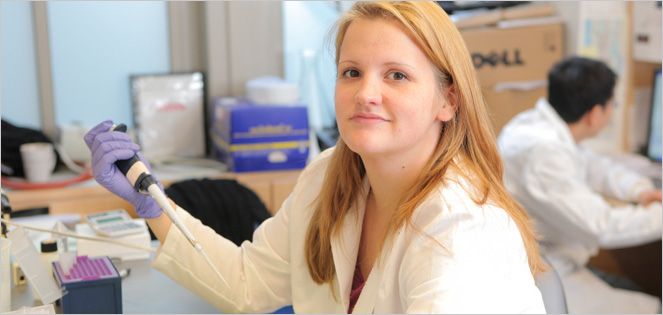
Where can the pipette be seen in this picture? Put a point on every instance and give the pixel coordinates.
(139, 176)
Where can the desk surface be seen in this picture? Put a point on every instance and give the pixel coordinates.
(145, 290)
(271, 187)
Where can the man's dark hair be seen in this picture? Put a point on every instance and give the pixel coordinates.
(576, 84)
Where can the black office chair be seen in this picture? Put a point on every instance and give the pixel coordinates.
(552, 290)
(228, 207)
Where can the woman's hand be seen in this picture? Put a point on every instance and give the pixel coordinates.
(107, 147)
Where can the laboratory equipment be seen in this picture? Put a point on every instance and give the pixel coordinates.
(114, 223)
(28, 259)
(5, 246)
(163, 102)
(92, 248)
(67, 261)
(41, 309)
(49, 251)
(654, 139)
(249, 137)
(63, 244)
(312, 95)
(272, 90)
(310, 89)
(141, 179)
(48, 254)
(79, 236)
(93, 285)
(6, 212)
(5, 289)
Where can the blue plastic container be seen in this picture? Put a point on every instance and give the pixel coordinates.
(93, 286)
(250, 138)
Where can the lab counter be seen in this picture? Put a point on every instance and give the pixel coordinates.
(89, 197)
(144, 290)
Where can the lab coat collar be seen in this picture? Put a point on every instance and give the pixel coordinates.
(560, 127)
(366, 302)
(346, 247)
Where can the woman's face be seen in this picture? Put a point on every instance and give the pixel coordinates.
(388, 100)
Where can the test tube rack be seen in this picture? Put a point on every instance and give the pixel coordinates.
(92, 285)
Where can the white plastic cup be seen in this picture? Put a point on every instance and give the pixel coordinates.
(38, 161)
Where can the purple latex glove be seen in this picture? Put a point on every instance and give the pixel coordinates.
(110, 146)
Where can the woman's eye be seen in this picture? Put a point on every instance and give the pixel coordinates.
(351, 73)
(398, 76)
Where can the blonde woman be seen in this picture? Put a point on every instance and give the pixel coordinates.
(407, 214)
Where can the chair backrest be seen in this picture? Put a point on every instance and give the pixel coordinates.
(552, 290)
(228, 207)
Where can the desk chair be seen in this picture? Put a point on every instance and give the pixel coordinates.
(552, 290)
(231, 209)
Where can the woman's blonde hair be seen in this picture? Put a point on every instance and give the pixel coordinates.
(466, 144)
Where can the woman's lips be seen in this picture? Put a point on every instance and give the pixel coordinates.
(367, 118)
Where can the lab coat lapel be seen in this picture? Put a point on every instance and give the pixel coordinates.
(346, 246)
(366, 302)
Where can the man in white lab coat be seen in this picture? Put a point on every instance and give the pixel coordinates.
(562, 185)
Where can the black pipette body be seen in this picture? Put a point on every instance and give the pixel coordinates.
(145, 179)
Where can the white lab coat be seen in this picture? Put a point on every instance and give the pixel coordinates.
(482, 267)
(561, 185)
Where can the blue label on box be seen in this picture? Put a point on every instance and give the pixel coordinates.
(260, 137)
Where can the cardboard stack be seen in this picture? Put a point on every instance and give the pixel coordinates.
(512, 58)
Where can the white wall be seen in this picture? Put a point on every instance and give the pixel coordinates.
(19, 97)
(95, 47)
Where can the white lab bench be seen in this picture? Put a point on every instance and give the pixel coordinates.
(145, 290)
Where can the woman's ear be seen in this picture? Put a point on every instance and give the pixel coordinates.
(449, 104)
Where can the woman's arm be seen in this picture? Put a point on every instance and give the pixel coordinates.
(613, 179)
(557, 197)
(257, 273)
(161, 224)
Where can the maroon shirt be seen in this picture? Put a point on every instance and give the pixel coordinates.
(357, 285)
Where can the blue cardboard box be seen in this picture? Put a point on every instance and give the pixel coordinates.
(249, 137)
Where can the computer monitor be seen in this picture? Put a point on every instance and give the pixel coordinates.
(654, 132)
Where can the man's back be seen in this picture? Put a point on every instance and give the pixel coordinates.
(562, 185)
(535, 148)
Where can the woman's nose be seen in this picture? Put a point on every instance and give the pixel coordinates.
(369, 92)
